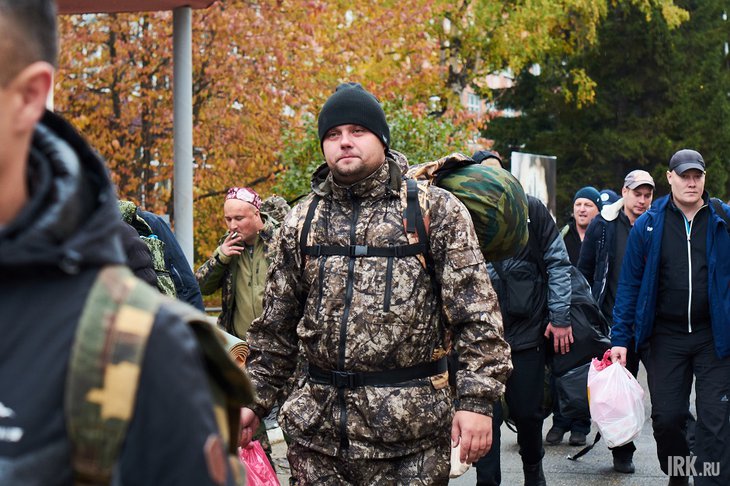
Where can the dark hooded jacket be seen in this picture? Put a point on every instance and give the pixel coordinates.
(541, 301)
(50, 254)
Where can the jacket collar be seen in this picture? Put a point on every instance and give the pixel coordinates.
(611, 211)
(386, 180)
(71, 219)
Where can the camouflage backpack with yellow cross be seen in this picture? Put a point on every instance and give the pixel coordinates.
(105, 365)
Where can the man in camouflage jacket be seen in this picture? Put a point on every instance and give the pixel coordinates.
(366, 323)
(238, 265)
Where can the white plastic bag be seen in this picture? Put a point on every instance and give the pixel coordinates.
(616, 401)
(457, 467)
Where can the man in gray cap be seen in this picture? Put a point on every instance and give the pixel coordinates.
(374, 313)
(674, 293)
(600, 260)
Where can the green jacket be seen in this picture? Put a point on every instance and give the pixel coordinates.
(241, 293)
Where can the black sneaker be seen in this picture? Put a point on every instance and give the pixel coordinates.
(577, 438)
(555, 435)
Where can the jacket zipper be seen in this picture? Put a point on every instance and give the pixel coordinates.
(388, 290)
(688, 229)
(344, 442)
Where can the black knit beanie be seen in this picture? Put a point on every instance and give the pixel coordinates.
(351, 104)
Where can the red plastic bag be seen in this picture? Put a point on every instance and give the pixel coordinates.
(258, 468)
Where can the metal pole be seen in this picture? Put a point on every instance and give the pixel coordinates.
(183, 129)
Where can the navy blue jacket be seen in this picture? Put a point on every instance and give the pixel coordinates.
(634, 311)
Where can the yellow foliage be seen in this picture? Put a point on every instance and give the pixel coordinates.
(262, 68)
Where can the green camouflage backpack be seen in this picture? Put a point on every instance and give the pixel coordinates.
(156, 246)
(276, 207)
(105, 365)
(494, 197)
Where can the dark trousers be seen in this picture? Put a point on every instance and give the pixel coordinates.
(524, 395)
(565, 423)
(675, 358)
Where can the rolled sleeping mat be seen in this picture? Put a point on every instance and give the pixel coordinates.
(236, 347)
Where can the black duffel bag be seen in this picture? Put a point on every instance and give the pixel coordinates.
(572, 391)
(590, 328)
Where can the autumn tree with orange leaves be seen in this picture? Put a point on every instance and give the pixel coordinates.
(262, 70)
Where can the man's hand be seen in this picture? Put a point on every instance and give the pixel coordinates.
(232, 245)
(562, 337)
(474, 431)
(618, 355)
(249, 423)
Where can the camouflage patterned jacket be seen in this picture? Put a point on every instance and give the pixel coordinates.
(221, 272)
(376, 314)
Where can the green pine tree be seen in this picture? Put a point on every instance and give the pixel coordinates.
(657, 90)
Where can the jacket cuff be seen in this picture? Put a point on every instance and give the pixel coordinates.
(475, 405)
(620, 342)
(260, 411)
(221, 258)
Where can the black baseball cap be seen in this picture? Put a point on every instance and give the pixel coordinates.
(686, 159)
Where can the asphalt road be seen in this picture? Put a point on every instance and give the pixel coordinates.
(593, 469)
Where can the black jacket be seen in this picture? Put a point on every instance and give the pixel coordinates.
(572, 241)
(549, 301)
(50, 255)
(599, 252)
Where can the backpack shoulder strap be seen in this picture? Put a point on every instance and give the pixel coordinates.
(165, 284)
(101, 385)
(417, 220)
(717, 205)
(304, 232)
(105, 365)
(416, 249)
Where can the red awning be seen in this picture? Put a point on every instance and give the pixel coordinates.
(108, 6)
